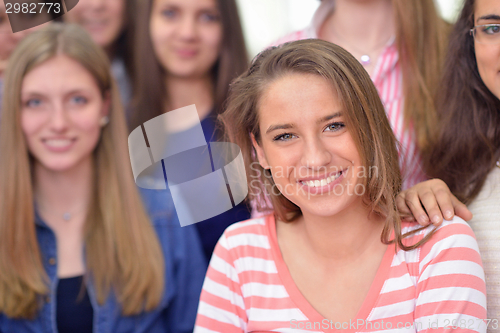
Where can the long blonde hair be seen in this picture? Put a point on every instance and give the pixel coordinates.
(422, 41)
(121, 248)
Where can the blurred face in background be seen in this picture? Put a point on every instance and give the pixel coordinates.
(103, 19)
(9, 40)
(186, 36)
(61, 117)
(488, 51)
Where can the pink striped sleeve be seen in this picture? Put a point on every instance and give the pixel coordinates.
(451, 291)
(221, 307)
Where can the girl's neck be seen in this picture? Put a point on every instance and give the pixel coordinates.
(57, 193)
(343, 237)
(182, 92)
(360, 26)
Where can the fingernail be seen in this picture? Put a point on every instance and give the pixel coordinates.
(436, 219)
(448, 214)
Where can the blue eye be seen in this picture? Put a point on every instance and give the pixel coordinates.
(334, 127)
(209, 17)
(79, 100)
(284, 137)
(491, 29)
(169, 13)
(33, 103)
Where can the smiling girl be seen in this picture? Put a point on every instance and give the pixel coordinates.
(310, 124)
(188, 52)
(78, 251)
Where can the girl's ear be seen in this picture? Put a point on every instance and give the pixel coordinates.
(261, 155)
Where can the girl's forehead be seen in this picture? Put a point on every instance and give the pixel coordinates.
(486, 9)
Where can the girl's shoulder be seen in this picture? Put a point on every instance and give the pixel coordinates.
(448, 228)
(452, 236)
(256, 225)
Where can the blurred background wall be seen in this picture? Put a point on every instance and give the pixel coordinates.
(264, 21)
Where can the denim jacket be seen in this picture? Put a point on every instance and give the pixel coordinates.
(185, 270)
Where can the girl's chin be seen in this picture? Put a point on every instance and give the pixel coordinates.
(60, 165)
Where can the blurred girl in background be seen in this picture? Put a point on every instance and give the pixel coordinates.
(110, 23)
(187, 52)
(402, 45)
(334, 253)
(466, 152)
(78, 252)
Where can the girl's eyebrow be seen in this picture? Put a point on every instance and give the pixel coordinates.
(291, 125)
(489, 17)
(37, 92)
(335, 115)
(279, 126)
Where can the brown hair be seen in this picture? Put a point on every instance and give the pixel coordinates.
(122, 251)
(421, 41)
(125, 41)
(149, 91)
(468, 136)
(364, 117)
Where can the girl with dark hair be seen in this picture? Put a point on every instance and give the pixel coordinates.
(316, 140)
(187, 52)
(110, 23)
(466, 151)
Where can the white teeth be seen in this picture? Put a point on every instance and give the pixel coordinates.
(57, 143)
(322, 182)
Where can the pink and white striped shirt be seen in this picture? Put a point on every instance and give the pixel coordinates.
(388, 79)
(248, 287)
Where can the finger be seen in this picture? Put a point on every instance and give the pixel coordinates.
(461, 209)
(401, 205)
(444, 201)
(417, 210)
(431, 206)
(404, 211)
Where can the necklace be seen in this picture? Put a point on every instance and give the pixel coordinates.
(365, 58)
(66, 216)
